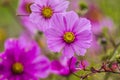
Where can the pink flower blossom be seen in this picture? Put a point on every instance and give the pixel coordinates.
(44, 10)
(22, 60)
(69, 34)
(24, 7)
(23, 12)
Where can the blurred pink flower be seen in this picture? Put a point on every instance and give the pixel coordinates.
(64, 66)
(43, 11)
(83, 64)
(23, 12)
(69, 34)
(28, 25)
(98, 20)
(99, 24)
(24, 7)
(22, 60)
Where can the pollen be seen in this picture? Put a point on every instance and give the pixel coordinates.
(47, 12)
(17, 68)
(69, 37)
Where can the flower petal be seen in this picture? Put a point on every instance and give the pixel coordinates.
(70, 20)
(11, 43)
(83, 24)
(58, 22)
(60, 7)
(35, 8)
(41, 2)
(79, 51)
(35, 17)
(68, 51)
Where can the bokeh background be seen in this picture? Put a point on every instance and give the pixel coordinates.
(10, 27)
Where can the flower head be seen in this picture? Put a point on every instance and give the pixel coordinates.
(22, 61)
(43, 11)
(24, 7)
(69, 34)
(24, 11)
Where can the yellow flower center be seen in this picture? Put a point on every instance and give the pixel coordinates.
(69, 37)
(47, 12)
(17, 68)
(27, 7)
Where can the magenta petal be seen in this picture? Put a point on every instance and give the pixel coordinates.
(53, 33)
(42, 68)
(70, 19)
(56, 66)
(57, 21)
(84, 39)
(82, 25)
(11, 43)
(72, 64)
(61, 7)
(78, 50)
(54, 39)
(44, 24)
(68, 51)
(54, 47)
(35, 8)
(35, 17)
(30, 26)
(41, 2)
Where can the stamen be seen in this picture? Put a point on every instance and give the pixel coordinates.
(17, 68)
(69, 37)
(47, 12)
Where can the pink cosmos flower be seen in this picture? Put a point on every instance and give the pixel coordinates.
(69, 34)
(24, 7)
(24, 11)
(22, 60)
(64, 66)
(43, 11)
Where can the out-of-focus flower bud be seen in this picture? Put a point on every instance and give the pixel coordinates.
(83, 6)
(113, 66)
(83, 64)
(103, 41)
